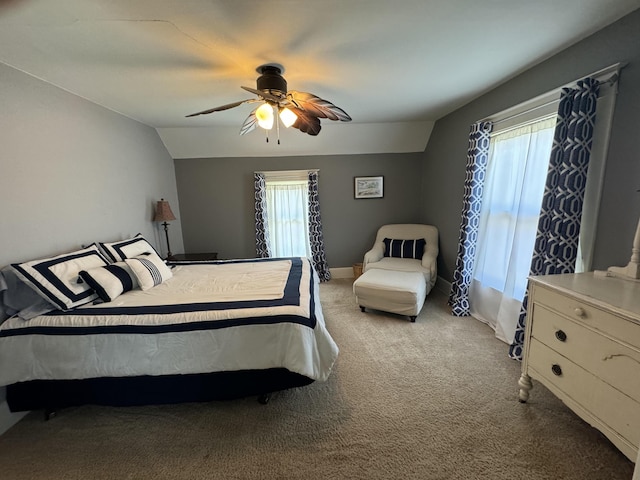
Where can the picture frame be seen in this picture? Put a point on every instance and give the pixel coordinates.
(368, 187)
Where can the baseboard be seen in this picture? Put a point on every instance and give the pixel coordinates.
(341, 272)
(443, 286)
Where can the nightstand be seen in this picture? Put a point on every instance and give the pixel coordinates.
(193, 257)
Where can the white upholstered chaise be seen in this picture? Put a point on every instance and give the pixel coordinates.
(398, 285)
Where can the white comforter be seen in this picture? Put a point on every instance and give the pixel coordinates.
(223, 316)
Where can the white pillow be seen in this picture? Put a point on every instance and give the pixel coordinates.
(57, 278)
(111, 280)
(150, 270)
(129, 248)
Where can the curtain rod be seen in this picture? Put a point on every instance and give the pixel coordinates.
(285, 172)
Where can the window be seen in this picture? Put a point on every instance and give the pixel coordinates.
(514, 185)
(516, 175)
(287, 218)
(286, 197)
(519, 153)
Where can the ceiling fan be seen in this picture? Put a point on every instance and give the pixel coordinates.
(300, 110)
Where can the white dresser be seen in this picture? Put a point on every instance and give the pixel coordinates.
(583, 343)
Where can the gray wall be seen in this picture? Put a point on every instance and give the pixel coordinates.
(73, 173)
(445, 155)
(217, 201)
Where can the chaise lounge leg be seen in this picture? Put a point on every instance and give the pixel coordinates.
(413, 318)
(264, 398)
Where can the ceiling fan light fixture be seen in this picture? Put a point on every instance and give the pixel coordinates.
(300, 110)
(288, 117)
(264, 115)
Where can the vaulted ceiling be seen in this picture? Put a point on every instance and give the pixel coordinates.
(394, 66)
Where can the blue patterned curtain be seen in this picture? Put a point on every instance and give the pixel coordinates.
(477, 157)
(262, 233)
(556, 247)
(315, 230)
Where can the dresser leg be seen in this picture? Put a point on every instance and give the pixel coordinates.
(525, 385)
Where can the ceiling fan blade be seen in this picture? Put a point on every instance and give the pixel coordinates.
(306, 122)
(265, 95)
(317, 106)
(222, 107)
(250, 123)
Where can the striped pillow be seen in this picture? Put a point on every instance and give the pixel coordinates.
(404, 248)
(149, 269)
(56, 278)
(129, 248)
(110, 281)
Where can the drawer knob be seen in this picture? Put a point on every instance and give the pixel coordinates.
(555, 368)
(560, 335)
(580, 312)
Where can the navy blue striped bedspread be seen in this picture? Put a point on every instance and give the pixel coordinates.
(210, 316)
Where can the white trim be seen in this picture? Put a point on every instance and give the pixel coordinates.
(595, 177)
(341, 272)
(533, 121)
(271, 183)
(287, 175)
(530, 111)
(443, 286)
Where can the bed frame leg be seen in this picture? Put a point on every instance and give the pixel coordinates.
(49, 413)
(264, 398)
(413, 318)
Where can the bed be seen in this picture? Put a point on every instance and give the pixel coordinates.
(210, 331)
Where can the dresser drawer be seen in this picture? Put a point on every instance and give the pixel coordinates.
(610, 406)
(587, 314)
(614, 363)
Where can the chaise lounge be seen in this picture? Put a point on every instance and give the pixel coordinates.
(400, 270)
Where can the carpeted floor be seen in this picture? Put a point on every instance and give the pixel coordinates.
(435, 399)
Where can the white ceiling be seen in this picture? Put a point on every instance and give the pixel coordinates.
(394, 66)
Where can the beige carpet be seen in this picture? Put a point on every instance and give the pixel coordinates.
(435, 399)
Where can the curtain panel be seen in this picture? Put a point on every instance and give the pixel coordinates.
(316, 238)
(477, 156)
(556, 245)
(262, 232)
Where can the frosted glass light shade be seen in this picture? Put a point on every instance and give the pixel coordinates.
(264, 115)
(288, 117)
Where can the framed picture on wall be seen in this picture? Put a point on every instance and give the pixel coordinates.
(369, 187)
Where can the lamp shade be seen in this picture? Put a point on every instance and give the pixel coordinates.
(163, 212)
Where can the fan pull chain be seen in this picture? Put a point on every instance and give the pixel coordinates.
(278, 127)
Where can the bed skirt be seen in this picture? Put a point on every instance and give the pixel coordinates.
(150, 390)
